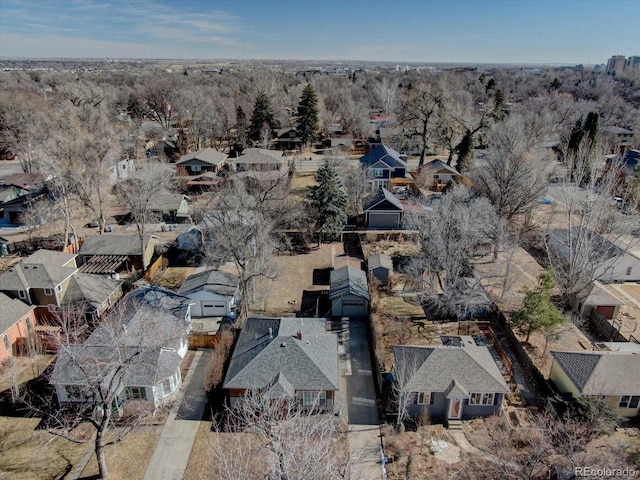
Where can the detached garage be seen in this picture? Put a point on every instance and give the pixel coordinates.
(349, 293)
(384, 211)
(214, 293)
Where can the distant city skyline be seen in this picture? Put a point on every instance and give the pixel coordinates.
(457, 31)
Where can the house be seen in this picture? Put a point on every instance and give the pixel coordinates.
(610, 263)
(142, 343)
(620, 139)
(384, 211)
(438, 174)
(459, 380)
(349, 292)
(48, 280)
(259, 159)
(110, 254)
(16, 326)
(18, 192)
(285, 358)
(599, 298)
(380, 267)
(614, 375)
(170, 207)
(121, 169)
(287, 139)
(214, 293)
(381, 165)
(207, 160)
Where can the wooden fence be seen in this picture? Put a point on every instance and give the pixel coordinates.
(153, 269)
(606, 328)
(203, 340)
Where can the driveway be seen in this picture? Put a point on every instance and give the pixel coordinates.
(364, 424)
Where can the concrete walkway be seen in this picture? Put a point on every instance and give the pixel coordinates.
(171, 456)
(364, 424)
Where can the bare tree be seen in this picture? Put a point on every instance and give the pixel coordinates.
(285, 441)
(460, 226)
(92, 375)
(138, 192)
(408, 360)
(240, 230)
(354, 180)
(516, 171)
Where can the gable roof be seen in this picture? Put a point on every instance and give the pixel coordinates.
(12, 310)
(268, 354)
(128, 245)
(214, 281)
(93, 289)
(601, 373)
(438, 165)
(259, 156)
(385, 195)
(166, 201)
(380, 260)
(208, 155)
(451, 369)
(383, 153)
(348, 280)
(23, 276)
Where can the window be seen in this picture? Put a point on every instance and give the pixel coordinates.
(48, 292)
(482, 399)
(310, 398)
(628, 270)
(22, 294)
(136, 393)
(378, 172)
(629, 401)
(168, 386)
(422, 398)
(59, 288)
(195, 168)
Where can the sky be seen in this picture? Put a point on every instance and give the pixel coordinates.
(460, 31)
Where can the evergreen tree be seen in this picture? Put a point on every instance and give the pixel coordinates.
(465, 153)
(538, 313)
(499, 106)
(328, 203)
(262, 115)
(241, 126)
(307, 127)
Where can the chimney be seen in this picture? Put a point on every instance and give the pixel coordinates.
(299, 334)
(270, 333)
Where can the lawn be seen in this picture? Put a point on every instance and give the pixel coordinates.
(301, 182)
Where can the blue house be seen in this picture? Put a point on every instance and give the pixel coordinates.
(381, 165)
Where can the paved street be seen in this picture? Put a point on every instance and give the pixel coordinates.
(364, 424)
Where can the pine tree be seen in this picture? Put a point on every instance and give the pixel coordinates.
(328, 203)
(538, 313)
(499, 106)
(465, 153)
(262, 115)
(307, 127)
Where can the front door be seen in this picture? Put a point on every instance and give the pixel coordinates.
(455, 408)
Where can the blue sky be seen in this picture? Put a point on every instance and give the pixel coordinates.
(474, 31)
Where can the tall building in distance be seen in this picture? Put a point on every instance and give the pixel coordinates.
(619, 63)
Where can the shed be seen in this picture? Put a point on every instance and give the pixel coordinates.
(214, 293)
(349, 292)
(380, 267)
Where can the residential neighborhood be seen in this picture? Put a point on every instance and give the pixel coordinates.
(267, 284)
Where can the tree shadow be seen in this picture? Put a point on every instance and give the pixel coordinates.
(314, 303)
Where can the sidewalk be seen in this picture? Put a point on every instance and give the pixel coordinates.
(171, 456)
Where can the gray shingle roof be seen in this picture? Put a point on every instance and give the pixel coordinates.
(214, 281)
(12, 310)
(604, 248)
(434, 369)
(94, 289)
(208, 155)
(601, 373)
(383, 195)
(260, 156)
(386, 154)
(348, 280)
(307, 364)
(26, 275)
(380, 260)
(437, 165)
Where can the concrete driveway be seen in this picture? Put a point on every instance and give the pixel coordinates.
(364, 423)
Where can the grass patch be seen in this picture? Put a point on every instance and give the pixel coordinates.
(301, 182)
(174, 277)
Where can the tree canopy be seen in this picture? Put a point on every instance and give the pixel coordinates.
(328, 202)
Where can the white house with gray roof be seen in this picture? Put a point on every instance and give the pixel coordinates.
(205, 160)
(140, 346)
(214, 293)
(285, 358)
(259, 159)
(349, 292)
(612, 375)
(456, 381)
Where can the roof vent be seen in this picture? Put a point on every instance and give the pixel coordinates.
(283, 344)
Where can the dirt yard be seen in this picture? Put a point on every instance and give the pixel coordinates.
(299, 274)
